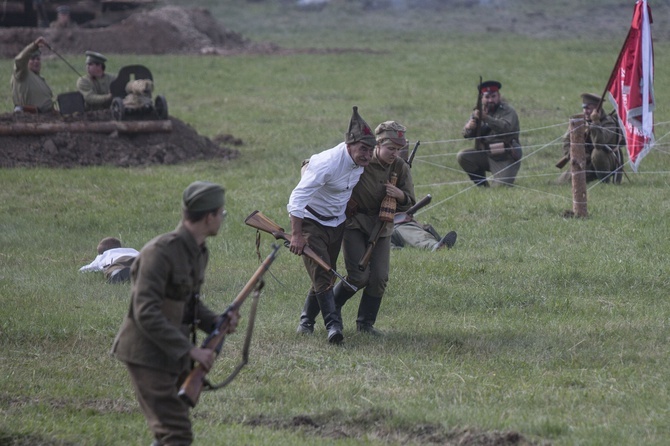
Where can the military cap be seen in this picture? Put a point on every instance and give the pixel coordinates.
(590, 99)
(35, 54)
(489, 86)
(63, 9)
(93, 57)
(203, 196)
(391, 131)
(359, 131)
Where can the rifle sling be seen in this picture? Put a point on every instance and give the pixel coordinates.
(245, 350)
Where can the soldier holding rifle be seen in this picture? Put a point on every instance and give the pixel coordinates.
(317, 210)
(495, 127)
(368, 227)
(366, 242)
(153, 340)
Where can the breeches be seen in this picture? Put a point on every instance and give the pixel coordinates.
(166, 414)
(413, 234)
(326, 242)
(376, 274)
(478, 162)
(603, 162)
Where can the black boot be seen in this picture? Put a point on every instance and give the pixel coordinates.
(367, 314)
(309, 313)
(479, 179)
(342, 294)
(331, 317)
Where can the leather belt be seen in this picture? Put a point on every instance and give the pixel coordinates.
(319, 216)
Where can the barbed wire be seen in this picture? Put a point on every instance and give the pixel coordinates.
(530, 150)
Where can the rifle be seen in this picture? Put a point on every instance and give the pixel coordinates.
(386, 215)
(413, 154)
(190, 390)
(478, 128)
(259, 221)
(372, 241)
(563, 161)
(400, 217)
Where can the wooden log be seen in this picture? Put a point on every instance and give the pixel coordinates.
(577, 166)
(47, 128)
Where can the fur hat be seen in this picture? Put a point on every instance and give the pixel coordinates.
(359, 131)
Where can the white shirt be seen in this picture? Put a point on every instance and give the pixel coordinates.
(326, 186)
(107, 258)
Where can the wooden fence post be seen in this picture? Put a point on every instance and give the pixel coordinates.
(578, 166)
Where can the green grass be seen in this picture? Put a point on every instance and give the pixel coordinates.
(555, 328)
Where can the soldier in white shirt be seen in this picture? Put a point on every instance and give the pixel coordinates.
(113, 260)
(317, 210)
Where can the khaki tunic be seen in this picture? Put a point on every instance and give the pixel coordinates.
(29, 88)
(500, 126)
(601, 147)
(166, 275)
(154, 337)
(96, 92)
(369, 194)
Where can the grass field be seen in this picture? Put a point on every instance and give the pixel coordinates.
(553, 328)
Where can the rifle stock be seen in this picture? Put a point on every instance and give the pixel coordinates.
(419, 204)
(376, 231)
(190, 390)
(259, 221)
(563, 161)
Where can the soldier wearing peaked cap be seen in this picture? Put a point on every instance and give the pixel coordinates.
(604, 158)
(497, 150)
(63, 18)
(317, 208)
(95, 86)
(165, 305)
(30, 90)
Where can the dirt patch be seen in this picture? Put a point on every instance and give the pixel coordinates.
(168, 30)
(372, 424)
(70, 149)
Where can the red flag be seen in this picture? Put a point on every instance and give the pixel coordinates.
(631, 86)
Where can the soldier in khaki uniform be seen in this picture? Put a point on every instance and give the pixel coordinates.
(153, 340)
(63, 18)
(368, 195)
(601, 139)
(498, 151)
(367, 198)
(30, 91)
(407, 231)
(95, 85)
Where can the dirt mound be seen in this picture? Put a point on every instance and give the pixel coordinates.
(165, 30)
(71, 149)
(168, 30)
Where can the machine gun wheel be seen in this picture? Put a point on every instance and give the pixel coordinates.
(161, 107)
(118, 110)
